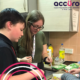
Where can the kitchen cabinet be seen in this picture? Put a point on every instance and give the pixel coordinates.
(20, 5)
(58, 18)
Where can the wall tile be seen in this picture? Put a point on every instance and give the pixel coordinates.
(70, 40)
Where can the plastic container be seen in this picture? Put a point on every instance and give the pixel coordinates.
(58, 67)
(62, 53)
(51, 48)
(71, 66)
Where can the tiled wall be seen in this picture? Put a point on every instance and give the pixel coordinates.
(70, 40)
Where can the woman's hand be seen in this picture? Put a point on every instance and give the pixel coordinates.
(49, 59)
(74, 71)
(26, 59)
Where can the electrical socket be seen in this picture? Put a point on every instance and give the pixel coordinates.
(69, 51)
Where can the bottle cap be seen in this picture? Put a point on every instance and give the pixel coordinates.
(62, 44)
(79, 62)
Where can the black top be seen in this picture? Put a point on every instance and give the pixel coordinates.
(7, 55)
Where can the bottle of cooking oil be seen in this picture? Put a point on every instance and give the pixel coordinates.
(62, 53)
(51, 48)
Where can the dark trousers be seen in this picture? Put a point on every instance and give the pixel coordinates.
(68, 76)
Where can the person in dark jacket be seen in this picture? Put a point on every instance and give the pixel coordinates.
(11, 29)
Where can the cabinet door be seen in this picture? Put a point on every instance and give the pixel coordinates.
(56, 19)
(19, 5)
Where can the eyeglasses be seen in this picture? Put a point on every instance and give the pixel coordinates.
(36, 26)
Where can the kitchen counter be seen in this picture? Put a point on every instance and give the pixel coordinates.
(50, 76)
(47, 67)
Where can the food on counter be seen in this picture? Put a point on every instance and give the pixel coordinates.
(58, 67)
(65, 70)
(71, 66)
(57, 76)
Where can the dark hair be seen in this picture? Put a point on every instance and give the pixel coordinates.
(10, 14)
